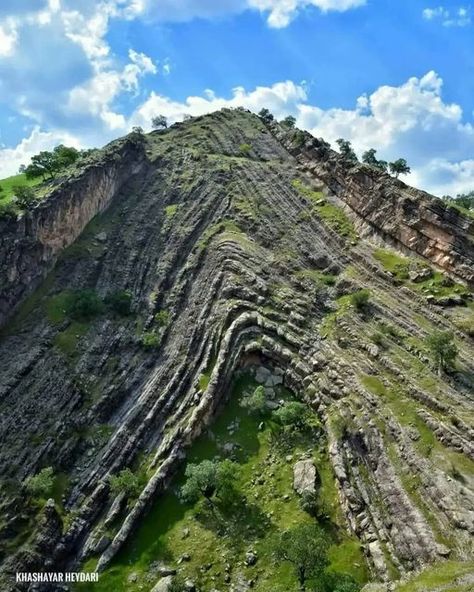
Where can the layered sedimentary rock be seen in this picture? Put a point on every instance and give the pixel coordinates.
(222, 239)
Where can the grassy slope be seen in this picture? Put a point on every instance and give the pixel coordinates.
(8, 184)
(264, 514)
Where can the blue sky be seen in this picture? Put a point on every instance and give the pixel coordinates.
(396, 76)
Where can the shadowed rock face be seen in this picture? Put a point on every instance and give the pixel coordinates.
(225, 242)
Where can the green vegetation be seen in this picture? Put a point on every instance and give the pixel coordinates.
(245, 149)
(210, 480)
(170, 211)
(204, 381)
(346, 150)
(66, 341)
(7, 185)
(435, 283)
(443, 350)
(319, 277)
(84, 305)
(24, 196)
(360, 300)
(159, 122)
(48, 164)
(41, 484)
(289, 122)
(119, 302)
(266, 116)
(370, 158)
(150, 340)
(162, 318)
(255, 402)
(399, 167)
(125, 482)
(264, 507)
(331, 214)
(441, 577)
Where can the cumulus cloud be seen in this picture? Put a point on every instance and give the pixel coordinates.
(282, 12)
(452, 17)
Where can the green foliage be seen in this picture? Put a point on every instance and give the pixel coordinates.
(370, 158)
(159, 122)
(150, 339)
(291, 414)
(84, 305)
(204, 381)
(170, 211)
(399, 167)
(266, 116)
(299, 138)
(47, 164)
(125, 482)
(41, 484)
(338, 582)
(7, 210)
(245, 149)
(360, 299)
(305, 548)
(209, 479)
(10, 182)
(255, 402)
(443, 349)
(119, 302)
(346, 150)
(24, 196)
(289, 122)
(309, 503)
(162, 318)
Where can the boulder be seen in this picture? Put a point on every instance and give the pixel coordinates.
(304, 476)
(163, 585)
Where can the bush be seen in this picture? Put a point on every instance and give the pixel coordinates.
(7, 210)
(150, 340)
(292, 414)
(24, 196)
(83, 305)
(162, 318)
(309, 503)
(255, 402)
(125, 482)
(120, 302)
(41, 485)
(289, 122)
(443, 350)
(245, 149)
(360, 299)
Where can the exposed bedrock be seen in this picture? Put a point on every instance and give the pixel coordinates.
(245, 270)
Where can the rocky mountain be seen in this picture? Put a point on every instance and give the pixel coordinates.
(171, 263)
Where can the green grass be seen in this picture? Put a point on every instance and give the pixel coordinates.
(331, 214)
(7, 185)
(441, 575)
(67, 340)
(319, 277)
(263, 513)
(170, 211)
(437, 285)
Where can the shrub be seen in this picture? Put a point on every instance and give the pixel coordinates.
(309, 503)
(7, 210)
(159, 122)
(119, 302)
(24, 196)
(360, 299)
(245, 149)
(83, 305)
(125, 482)
(443, 350)
(291, 414)
(289, 122)
(150, 340)
(162, 318)
(41, 485)
(255, 402)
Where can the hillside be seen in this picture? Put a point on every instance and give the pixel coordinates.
(169, 277)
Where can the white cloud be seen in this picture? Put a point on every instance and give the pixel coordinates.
(457, 17)
(8, 38)
(282, 12)
(12, 158)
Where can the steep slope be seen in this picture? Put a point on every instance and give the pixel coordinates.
(246, 240)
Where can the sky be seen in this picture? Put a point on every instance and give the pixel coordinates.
(394, 76)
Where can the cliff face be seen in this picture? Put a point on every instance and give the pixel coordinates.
(30, 245)
(212, 230)
(413, 220)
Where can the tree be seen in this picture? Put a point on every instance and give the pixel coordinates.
(255, 403)
(305, 548)
(24, 196)
(159, 122)
(291, 414)
(43, 164)
(125, 482)
(65, 156)
(266, 116)
(346, 150)
(337, 582)
(369, 158)
(7, 210)
(209, 479)
(443, 350)
(83, 305)
(41, 484)
(289, 121)
(399, 167)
